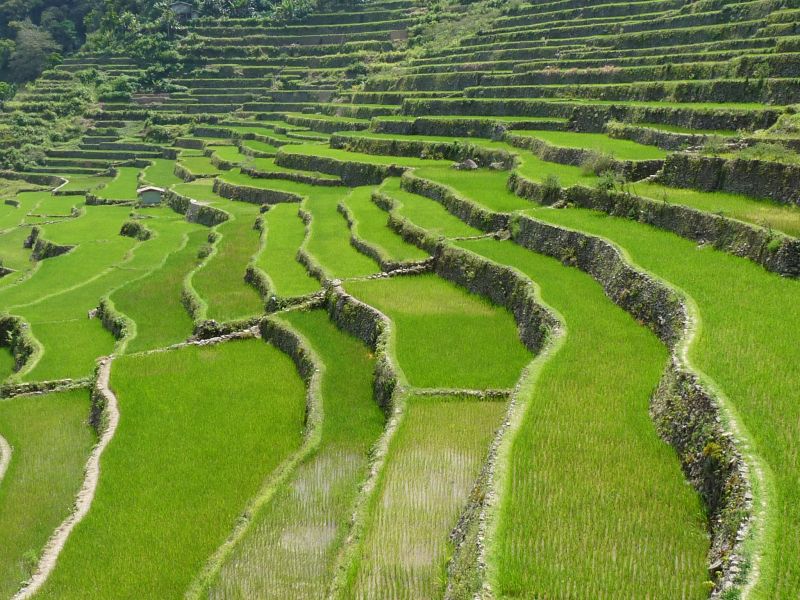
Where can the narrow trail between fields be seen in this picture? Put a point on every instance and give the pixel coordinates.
(5, 457)
(85, 496)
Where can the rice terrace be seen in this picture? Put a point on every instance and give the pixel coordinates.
(400, 299)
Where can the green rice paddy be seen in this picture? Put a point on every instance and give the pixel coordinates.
(445, 336)
(294, 542)
(371, 225)
(161, 173)
(747, 364)
(434, 459)
(283, 235)
(549, 513)
(123, 187)
(220, 279)
(51, 441)
(487, 470)
(181, 467)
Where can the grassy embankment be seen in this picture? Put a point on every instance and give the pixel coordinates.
(292, 546)
(200, 429)
(51, 441)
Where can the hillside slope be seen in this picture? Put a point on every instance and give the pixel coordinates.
(536, 264)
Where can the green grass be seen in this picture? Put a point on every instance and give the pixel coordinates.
(231, 154)
(260, 146)
(59, 321)
(329, 239)
(161, 173)
(154, 302)
(51, 442)
(752, 358)
(99, 246)
(70, 348)
(11, 187)
(768, 214)
(199, 166)
(268, 165)
(284, 233)
(471, 183)
(201, 190)
(445, 336)
(200, 429)
(49, 205)
(574, 462)
(291, 549)
(599, 142)
(12, 252)
(11, 216)
(60, 291)
(371, 225)
(529, 165)
(85, 182)
(426, 213)
(122, 187)
(679, 129)
(433, 461)
(372, 159)
(220, 280)
(780, 217)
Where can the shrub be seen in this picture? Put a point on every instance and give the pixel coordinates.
(165, 134)
(714, 145)
(597, 163)
(551, 189)
(770, 151)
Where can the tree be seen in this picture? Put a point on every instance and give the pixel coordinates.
(7, 91)
(33, 52)
(6, 50)
(54, 20)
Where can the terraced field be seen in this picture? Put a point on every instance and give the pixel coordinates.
(405, 299)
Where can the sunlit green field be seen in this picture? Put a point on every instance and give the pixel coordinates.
(435, 458)
(392, 437)
(122, 187)
(550, 513)
(371, 226)
(220, 279)
(51, 441)
(446, 337)
(750, 357)
(181, 466)
(294, 542)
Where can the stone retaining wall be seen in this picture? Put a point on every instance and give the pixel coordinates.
(15, 334)
(477, 216)
(686, 415)
(113, 320)
(244, 193)
(298, 176)
(352, 173)
(666, 140)
(42, 248)
(774, 251)
(454, 150)
(374, 329)
(632, 170)
(757, 178)
(195, 212)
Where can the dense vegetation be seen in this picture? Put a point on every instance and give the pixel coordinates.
(399, 299)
